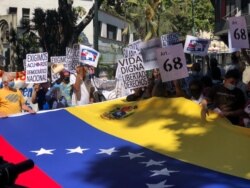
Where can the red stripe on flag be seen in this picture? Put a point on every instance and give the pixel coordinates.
(34, 178)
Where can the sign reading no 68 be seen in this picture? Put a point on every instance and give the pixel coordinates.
(177, 64)
(240, 34)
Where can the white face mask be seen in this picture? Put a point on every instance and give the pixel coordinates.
(229, 86)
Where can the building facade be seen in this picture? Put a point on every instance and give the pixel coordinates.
(229, 8)
(16, 12)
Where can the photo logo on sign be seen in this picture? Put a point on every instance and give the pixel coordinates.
(88, 55)
(197, 45)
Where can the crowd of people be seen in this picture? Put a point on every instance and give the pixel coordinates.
(221, 90)
(69, 89)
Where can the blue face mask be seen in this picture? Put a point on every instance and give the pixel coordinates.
(230, 86)
(11, 84)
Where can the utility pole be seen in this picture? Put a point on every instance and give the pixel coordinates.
(193, 24)
(96, 33)
(96, 26)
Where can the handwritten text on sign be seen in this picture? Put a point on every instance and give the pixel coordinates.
(133, 72)
(36, 67)
(238, 32)
(172, 63)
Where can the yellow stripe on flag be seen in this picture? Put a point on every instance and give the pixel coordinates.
(172, 126)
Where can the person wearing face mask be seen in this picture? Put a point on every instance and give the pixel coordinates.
(226, 99)
(11, 100)
(82, 87)
(66, 87)
(59, 95)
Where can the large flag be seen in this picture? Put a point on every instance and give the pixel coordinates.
(153, 143)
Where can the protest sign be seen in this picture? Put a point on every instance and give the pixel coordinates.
(58, 59)
(88, 56)
(69, 55)
(127, 52)
(135, 45)
(72, 58)
(172, 62)
(230, 48)
(58, 63)
(169, 39)
(196, 46)
(37, 67)
(148, 53)
(238, 32)
(133, 72)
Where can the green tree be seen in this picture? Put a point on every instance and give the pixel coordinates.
(170, 15)
(58, 29)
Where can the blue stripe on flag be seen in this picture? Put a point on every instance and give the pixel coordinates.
(79, 155)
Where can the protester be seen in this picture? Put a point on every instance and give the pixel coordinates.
(59, 95)
(38, 95)
(235, 61)
(11, 100)
(196, 91)
(214, 72)
(82, 87)
(66, 87)
(226, 99)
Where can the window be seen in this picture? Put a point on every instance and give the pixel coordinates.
(125, 38)
(26, 13)
(12, 10)
(111, 32)
(245, 5)
(230, 8)
(26, 16)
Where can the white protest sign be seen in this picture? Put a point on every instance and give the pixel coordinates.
(127, 52)
(169, 39)
(172, 63)
(148, 53)
(55, 60)
(72, 58)
(88, 56)
(37, 67)
(133, 72)
(135, 45)
(59, 60)
(238, 32)
(196, 46)
(69, 56)
(231, 49)
(54, 76)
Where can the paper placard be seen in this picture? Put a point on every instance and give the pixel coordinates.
(172, 63)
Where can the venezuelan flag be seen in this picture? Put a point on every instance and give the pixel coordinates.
(153, 143)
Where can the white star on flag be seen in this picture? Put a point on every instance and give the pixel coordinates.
(164, 172)
(77, 150)
(43, 151)
(159, 185)
(133, 155)
(107, 151)
(152, 162)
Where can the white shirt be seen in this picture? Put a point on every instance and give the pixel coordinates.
(84, 92)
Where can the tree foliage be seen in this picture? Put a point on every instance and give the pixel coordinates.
(58, 29)
(169, 16)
